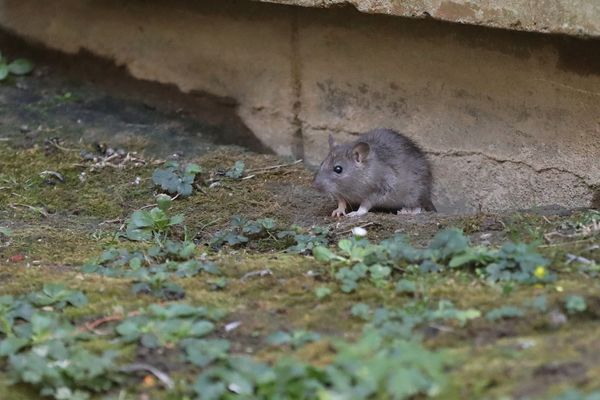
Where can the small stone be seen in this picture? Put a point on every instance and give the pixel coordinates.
(359, 231)
(557, 318)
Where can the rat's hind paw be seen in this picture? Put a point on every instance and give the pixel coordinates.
(355, 214)
(412, 211)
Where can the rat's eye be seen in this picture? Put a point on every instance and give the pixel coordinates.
(338, 169)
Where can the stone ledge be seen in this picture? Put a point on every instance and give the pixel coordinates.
(570, 17)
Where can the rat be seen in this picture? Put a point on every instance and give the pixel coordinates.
(382, 169)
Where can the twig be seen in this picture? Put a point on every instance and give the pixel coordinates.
(544, 246)
(573, 257)
(148, 206)
(274, 167)
(93, 325)
(111, 221)
(36, 209)
(5, 139)
(161, 376)
(58, 146)
(361, 226)
(210, 223)
(262, 272)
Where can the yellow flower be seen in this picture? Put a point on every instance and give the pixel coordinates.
(540, 272)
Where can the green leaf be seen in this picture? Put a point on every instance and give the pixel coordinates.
(164, 201)
(142, 219)
(279, 338)
(138, 235)
(20, 66)
(77, 299)
(575, 304)
(505, 312)
(176, 220)
(406, 286)
(472, 255)
(323, 254)
(202, 328)
(135, 263)
(361, 310)
(346, 246)
(12, 345)
(192, 169)
(166, 179)
(448, 243)
(322, 292)
(3, 71)
(236, 171)
(203, 352)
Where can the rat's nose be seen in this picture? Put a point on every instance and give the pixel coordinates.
(318, 183)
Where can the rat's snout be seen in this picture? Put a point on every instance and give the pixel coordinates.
(318, 183)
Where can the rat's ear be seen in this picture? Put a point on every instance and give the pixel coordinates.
(360, 151)
(331, 142)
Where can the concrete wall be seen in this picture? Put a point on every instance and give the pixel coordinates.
(510, 120)
(573, 17)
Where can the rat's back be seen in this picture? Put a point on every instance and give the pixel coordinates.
(403, 165)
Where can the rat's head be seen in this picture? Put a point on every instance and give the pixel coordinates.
(345, 172)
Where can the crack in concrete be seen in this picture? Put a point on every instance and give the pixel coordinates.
(457, 153)
(296, 71)
(330, 129)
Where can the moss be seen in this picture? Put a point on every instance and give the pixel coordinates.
(107, 194)
(490, 359)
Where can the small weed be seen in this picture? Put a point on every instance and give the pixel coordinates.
(505, 312)
(175, 179)
(357, 259)
(305, 239)
(237, 171)
(156, 223)
(294, 339)
(19, 66)
(575, 304)
(242, 230)
(166, 326)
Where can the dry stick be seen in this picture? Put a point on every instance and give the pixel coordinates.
(111, 221)
(361, 226)
(161, 376)
(58, 146)
(274, 166)
(109, 318)
(36, 209)
(543, 246)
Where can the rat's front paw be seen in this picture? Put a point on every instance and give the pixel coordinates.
(338, 212)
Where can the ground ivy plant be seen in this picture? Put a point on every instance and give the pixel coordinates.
(357, 259)
(176, 179)
(19, 66)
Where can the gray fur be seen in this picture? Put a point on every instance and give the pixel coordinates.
(394, 174)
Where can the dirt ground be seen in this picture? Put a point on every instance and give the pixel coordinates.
(63, 209)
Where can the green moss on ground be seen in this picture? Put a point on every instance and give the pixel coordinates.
(57, 227)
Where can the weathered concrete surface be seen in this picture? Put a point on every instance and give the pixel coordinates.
(205, 48)
(572, 17)
(510, 120)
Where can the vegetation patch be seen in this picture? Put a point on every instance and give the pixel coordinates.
(222, 277)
